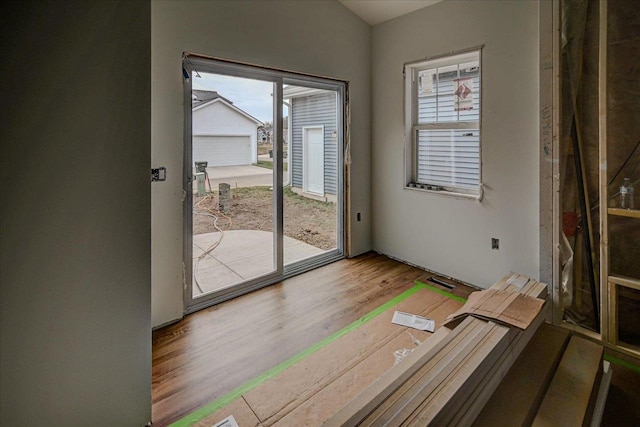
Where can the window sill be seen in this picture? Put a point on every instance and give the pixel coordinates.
(445, 193)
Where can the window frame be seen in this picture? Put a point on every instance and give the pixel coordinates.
(412, 127)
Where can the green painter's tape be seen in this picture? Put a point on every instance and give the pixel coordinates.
(251, 384)
(441, 292)
(621, 362)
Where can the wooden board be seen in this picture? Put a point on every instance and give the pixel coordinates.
(567, 400)
(469, 410)
(408, 399)
(440, 409)
(390, 381)
(603, 392)
(516, 399)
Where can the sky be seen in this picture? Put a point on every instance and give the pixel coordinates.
(251, 96)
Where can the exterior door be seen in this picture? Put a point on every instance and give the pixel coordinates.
(248, 227)
(313, 141)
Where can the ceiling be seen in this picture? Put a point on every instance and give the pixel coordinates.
(377, 11)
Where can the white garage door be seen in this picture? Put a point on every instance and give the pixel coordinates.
(222, 150)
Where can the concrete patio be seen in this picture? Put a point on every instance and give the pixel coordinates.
(241, 255)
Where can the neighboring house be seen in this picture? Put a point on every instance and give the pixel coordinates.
(314, 143)
(223, 134)
(264, 135)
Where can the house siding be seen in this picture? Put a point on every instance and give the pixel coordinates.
(315, 110)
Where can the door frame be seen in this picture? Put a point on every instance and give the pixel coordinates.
(305, 159)
(192, 63)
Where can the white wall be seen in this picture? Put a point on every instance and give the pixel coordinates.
(317, 37)
(443, 234)
(75, 306)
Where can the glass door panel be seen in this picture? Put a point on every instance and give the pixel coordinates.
(233, 201)
(312, 172)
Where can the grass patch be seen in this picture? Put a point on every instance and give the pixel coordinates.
(269, 165)
(264, 148)
(245, 192)
(298, 199)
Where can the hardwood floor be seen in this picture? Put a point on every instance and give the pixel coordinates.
(213, 351)
(210, 353)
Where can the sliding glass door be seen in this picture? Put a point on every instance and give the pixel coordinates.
(264, 186)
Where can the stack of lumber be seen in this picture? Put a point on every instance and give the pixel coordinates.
(572, 394)
(448, 379)
(559, 380)
(516, 401)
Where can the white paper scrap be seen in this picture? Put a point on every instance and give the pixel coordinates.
(413, 321)
(426, 81)
(227, 422)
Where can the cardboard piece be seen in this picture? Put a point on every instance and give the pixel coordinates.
(506, 307)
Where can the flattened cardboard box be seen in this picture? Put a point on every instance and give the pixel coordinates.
(502, 306)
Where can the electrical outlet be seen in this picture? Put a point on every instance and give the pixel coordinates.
(159, 174)
(495, 243)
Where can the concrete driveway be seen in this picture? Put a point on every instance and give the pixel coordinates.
(240, 176)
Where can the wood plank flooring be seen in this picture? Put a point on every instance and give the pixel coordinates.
(211, 352)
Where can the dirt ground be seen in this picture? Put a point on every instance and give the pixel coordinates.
(307, 220)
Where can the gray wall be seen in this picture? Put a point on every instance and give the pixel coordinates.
(315, 110)
(317, 37)
(75, 249)
(445, 234)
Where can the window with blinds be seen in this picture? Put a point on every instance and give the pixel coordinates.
(443, 119)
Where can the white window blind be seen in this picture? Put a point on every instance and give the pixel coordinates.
(444, 106)
(448, 157)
